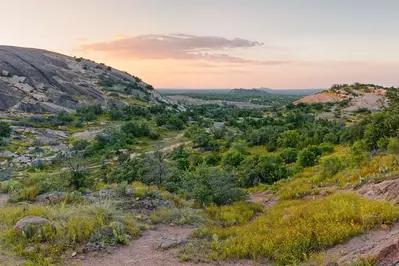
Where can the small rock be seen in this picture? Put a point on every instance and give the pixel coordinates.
(128, 191)
(286, 217)
(169, 242)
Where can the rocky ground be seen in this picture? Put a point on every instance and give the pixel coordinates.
(157, 247)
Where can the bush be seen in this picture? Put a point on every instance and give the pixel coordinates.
(5, 130)
(326, 147)
(393, 145)
(232, 158)
(330, 165)
(382, 143)
(112, 137)
(80, 145)
(267, 168)
(209, 185)
(306, 158)
(289, 155)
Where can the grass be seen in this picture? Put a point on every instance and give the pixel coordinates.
(310, 181)
(291, 231)
(185, 216)
(237, 213)
(70, 228)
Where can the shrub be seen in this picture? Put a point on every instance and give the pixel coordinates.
(393, 145)
(289, 155)
(306, 158)
(382, 143)
(331, 165)
(326, 147)
(80, 145)
(5, 130)
(209, 185)
(232, 158)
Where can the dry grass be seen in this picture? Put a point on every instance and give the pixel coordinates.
(292, 230)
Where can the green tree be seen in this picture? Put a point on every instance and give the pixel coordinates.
(209, 185)
(289, 139)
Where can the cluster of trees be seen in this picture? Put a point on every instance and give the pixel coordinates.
(247, 96)
(222, 160)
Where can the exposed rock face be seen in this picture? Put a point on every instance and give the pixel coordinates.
(33, 80)
(387, 190)
(381, 245)
(360, 96)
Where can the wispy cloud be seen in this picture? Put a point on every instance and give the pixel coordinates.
(179, 47)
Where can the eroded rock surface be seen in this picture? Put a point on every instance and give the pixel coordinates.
(37, 81)
(387, 190)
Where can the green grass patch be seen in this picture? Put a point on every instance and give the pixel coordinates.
(292, 230)
(69, 229)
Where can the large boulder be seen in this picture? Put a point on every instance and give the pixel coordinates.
(31, 225)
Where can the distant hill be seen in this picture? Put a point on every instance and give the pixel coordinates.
(298, 92)
(34, 80)
(358, 96)
(249, 92)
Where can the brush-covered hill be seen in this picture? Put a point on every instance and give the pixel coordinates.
(249, 92)
(359, 96)
(34, 80)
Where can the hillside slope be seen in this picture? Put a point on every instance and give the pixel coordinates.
(360, 96)
(33, 80)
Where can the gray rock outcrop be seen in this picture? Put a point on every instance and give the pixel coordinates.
(37, 81)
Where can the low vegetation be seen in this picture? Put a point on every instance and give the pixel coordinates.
(120, 170)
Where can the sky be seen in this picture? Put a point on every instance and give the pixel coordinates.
(218, 43)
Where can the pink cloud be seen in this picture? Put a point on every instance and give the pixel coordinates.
(179, 47)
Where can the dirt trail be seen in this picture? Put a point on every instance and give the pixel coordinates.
(143, 252)
(264, 198)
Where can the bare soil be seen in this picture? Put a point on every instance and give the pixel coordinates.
(144, 252)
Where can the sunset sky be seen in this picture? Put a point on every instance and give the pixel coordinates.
(218, 43)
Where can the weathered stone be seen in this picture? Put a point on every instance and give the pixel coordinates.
(51, 198)
(30, 225)
(129, 191)
(40, 81)
(169, 242)
(387, 190)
